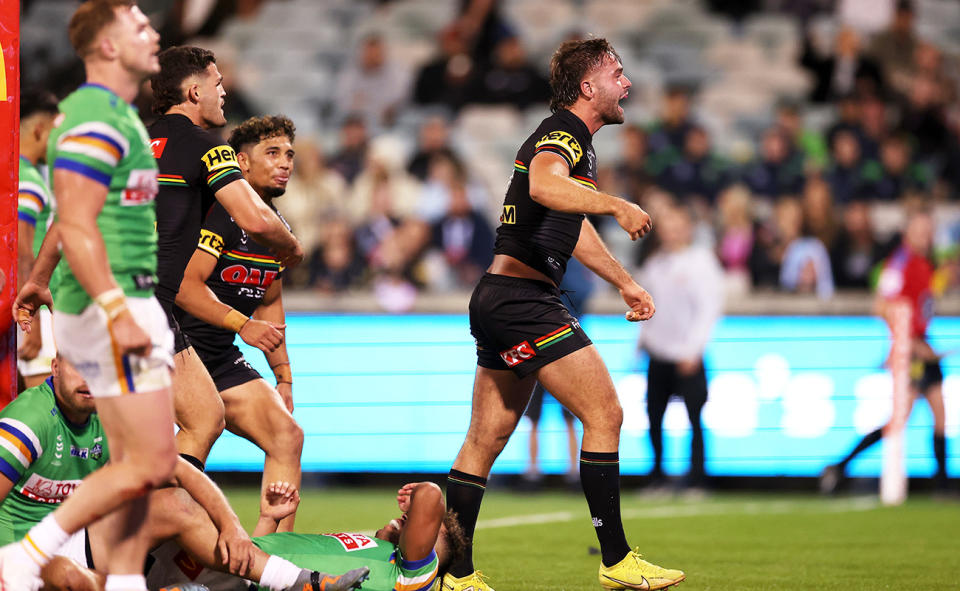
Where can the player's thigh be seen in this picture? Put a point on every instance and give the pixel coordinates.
(62, 573)
(256, 411)
(934, 394)
(86, 342)
(194, 393)
(580, 381)
(499, 399)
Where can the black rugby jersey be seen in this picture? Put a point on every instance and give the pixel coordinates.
(194, 164)
(240, 279)
(540, 237)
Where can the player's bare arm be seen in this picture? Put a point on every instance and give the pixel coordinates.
(80, 200)
(423, 507)
(260, 222)
(35, 291)
(271, 312)
(593, 253)
(278, 501)
(552, 187)
(200, 301)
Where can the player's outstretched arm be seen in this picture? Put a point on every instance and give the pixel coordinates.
(200, 301)
(260, 222)
(552, 187)
(35, 291)
(592, 252)
(424, 514)
(271, 312)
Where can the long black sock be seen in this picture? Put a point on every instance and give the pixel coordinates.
(600, 477)
(940, 451)
(868, 440)
(195, 462)
(464, 495)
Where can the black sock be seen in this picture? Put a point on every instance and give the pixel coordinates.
(940, 451)
(868, 440)
(464, 495)
(195, 462)
(600, 477)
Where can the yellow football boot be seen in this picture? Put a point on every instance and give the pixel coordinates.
(635, 573)
(475, 581)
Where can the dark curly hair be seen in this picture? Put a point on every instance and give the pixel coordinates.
(256, 129)
(570, 63)
(176, 65)
(455, 539)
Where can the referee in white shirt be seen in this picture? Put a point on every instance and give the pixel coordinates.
(686, 281)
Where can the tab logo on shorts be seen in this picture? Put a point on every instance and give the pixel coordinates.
(565, 142)
(517, 355)
(43, 490)
(509, 215)
(353, 542)
(219, 157)
(157, 145)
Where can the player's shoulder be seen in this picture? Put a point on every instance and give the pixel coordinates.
(563, 133)
(33, 408)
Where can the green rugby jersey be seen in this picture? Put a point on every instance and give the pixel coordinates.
(338, 553)
(102, 138)
(36, 206)
(45, 456)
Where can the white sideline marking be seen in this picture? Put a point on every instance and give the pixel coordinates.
(694, 510)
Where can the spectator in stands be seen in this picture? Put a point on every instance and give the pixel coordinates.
(632, 172)
(447, 175)
(735, 235)
(845, 72)
(895, 174)
(482, 26)
(856, 250)
(805, 141)
(806, 268)
(874, 126)
(687, 282)
(844, 175)
(819, 216)
(849, 119)
(372, 86)
(354, 141)
(894, 48)
(666, 137)
(923, 117)
(697, 175)
(778, 171)
(771, 239)
(511, 79)
(433, 139)
(446, 79)
(336, 265)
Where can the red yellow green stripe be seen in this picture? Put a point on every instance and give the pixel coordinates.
(246, 256)
(219, 175)
(519, 166)
(554, 337)
(585, 181)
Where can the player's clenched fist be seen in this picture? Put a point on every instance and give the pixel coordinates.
(640, 303)
(634, 220)
(263, 335)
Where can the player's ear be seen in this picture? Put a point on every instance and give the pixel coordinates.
(586, 87)
(243, 160)
(193, 92)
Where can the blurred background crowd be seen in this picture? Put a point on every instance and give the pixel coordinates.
(799, 133)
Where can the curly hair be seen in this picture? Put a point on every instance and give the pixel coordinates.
(256, 129)
(176, 65)
(570, 63)
(455, 539)
(91, 18)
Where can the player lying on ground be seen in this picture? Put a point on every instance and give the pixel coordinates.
(51, 438)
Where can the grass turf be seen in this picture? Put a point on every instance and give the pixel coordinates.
(544, 541)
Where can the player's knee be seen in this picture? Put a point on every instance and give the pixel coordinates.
(608, 420)
(285, 437)
(174, 505)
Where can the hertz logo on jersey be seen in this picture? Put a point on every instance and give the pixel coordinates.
(509, 215)
(210, 242)
(564, 143)
(219, 157)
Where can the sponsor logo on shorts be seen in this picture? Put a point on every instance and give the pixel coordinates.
(517, 355)
(188, 565)
(509, 215)
(43, 490)
(353, 542)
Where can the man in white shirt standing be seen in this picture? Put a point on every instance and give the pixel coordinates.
(687, 282)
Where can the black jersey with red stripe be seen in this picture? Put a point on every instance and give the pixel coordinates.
(538, 236)
(243, 272)
(194, 164)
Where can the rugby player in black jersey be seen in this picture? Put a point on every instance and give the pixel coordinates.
(230, 276)
(198, 169)
(525, 334)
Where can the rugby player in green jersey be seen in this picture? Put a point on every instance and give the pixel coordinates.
(107, 322)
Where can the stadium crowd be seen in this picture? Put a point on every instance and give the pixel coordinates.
(391, 198)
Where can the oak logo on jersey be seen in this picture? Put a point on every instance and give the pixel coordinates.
(353, 542)
(157, 145)
(248, 276)
(509, 215)
(563, 141)
(219, 157)
(518, 354)
(210, 242)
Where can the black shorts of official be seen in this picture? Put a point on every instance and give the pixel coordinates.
(924, 374)
(228, 369)
(535, 406)
(181, 342)
(521, 324)
(664, 381)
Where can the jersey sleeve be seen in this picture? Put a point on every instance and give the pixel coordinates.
(22, 426)
(31, 199)
(218, 164)
(217, 230)
(92, 149)
(417, 575)
(562, 142)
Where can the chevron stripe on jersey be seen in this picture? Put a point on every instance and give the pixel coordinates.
(18, 439)
(96, 140)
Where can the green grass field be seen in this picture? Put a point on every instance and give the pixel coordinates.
(726, 542)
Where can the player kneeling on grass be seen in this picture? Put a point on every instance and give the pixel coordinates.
(410, 553)
(51, 438)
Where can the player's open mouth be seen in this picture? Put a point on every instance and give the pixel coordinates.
(281, 180)
(85, 393)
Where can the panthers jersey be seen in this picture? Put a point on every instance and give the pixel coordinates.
(102, 138)
(538, 236)
(45, 456)
(194, 164)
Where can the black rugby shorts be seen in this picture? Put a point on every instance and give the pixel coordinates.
(521, 324)
(229, 369)
(181, 342)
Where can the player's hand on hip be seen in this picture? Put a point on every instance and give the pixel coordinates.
(236, 549)
(28, 303)
(633, 220)
(640, 303)
(263, 335)
(290, 257)
(129, 337)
